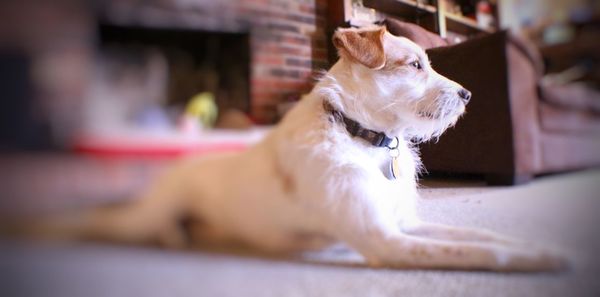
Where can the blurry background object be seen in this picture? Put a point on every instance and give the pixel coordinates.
(203, 108)
(124, 84)
(548, 22)
(485, 17)
(363, 16)
(234, 119)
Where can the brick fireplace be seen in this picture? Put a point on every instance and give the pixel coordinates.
(60, 40)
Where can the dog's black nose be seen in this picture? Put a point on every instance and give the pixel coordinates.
(464, 95)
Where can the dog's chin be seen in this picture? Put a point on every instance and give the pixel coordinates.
(446, 115)
(430, 125)
(447, 108)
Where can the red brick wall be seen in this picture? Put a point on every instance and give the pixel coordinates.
(288, 45)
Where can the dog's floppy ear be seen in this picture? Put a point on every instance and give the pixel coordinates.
(362, 45)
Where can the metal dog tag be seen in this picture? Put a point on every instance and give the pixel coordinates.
(394, 166)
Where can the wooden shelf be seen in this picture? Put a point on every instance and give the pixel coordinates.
(405, 8)
(464, 25)
(409, 9)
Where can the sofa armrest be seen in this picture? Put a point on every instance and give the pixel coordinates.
(497, 135)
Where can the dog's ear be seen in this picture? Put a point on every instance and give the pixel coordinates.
(362, 45)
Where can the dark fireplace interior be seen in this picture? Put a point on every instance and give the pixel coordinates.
(197, 61)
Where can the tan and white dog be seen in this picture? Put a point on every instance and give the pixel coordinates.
(311, 183)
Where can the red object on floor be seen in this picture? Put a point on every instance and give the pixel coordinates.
(159, 147)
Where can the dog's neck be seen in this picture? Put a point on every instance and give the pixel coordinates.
(342, 88)
(355, 129)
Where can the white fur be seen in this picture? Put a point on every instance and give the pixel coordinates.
(310, 184)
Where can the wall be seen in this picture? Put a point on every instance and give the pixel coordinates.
(515, 14)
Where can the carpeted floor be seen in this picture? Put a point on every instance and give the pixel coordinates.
(560, 210)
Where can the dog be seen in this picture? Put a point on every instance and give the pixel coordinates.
(341, 166)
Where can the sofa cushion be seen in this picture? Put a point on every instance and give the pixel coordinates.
(576, 95)
(558, 119)
(415, 33)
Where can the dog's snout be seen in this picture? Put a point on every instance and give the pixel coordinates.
(464, 95)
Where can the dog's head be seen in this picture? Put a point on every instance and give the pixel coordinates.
(389, 85)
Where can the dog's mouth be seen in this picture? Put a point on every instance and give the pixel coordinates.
(445, 111)
(435, 115)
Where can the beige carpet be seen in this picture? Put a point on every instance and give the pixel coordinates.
(561, 210)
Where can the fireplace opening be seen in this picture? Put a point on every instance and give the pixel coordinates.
(142, 71)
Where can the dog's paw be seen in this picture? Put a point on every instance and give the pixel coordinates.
(553, 260)
(536, 260)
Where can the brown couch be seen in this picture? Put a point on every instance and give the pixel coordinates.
(515, 127)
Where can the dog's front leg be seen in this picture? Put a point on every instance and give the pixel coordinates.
(452, 233)
(364, 221)
(405, 251)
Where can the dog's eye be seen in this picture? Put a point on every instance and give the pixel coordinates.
(416, 64)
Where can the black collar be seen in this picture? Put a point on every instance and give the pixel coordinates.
(378, 139)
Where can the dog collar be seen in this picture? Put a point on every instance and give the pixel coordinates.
(378, 139)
